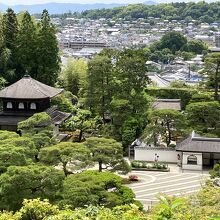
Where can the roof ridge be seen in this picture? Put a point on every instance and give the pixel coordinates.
(194, 137)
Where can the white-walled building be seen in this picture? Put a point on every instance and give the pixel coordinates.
(198, 152)
(193, 153)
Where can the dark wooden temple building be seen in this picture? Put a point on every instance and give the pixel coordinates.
(25, 98)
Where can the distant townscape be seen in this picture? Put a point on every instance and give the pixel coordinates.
(110, 112)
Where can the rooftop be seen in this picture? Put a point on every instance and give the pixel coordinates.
(174, 104)
(28, 88)
(197, 143)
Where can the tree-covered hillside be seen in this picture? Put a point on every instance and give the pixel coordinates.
(201, 11)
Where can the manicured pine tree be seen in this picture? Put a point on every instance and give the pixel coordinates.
(47, 52)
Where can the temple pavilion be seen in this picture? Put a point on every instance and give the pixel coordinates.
(25, 98)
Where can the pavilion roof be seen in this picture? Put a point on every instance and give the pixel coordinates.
(29, 88)
(197, 143)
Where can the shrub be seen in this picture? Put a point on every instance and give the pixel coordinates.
(172, 146)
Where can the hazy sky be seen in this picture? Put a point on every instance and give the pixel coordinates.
(15, 2)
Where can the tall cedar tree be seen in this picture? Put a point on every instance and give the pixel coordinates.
(3, 54)
(10, 30)
(47, 54)
(26, 46)
(100, 84)
(212, 72)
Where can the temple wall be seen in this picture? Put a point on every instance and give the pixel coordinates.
(148, 154)
(186, 166)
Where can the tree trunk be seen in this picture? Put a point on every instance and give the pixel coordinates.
(64, 169)
(169, 134)
(100, 166)
(36, 158)
(80, 135)
(217, 81)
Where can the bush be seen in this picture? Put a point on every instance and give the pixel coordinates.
(63, 103)
(172, 146)
(160, 166)
(95, 188)
(215, 172)
(144, 164)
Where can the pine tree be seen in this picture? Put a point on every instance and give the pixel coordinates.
(47, 54)
(26, 46)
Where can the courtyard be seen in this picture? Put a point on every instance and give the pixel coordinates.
(170, 183)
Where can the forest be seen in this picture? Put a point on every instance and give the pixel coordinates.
(201, 11)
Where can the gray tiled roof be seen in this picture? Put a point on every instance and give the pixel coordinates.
(196, 143)
(174, 104)
(57, 117)
(28, 88)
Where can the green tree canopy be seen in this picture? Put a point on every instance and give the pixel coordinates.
(173, 41)
(73, 76)
(92, 187)
(15, 150)
(33, 181)
(39, 129)
(212, 73)
(82, 121)
(47, 52)
(9, 35)
(108, 153)
(204, 117)
(100, 77)
(71, 156)
(170, 124)
(195, 46)
(26, 45)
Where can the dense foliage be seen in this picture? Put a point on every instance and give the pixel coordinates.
(201, 11)
(34, 165)
(174, 44)
(204, 117)
(115, 93)
(212, 73)
(201, 206)
(166, 124)
(27, 47)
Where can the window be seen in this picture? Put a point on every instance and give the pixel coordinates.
(192, 159)
(33, 106)
(21, 105)
(9, 105)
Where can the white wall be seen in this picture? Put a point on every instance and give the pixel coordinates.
(186, 166)
(169, 156)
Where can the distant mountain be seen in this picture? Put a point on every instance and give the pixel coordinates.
(150, 3)
(59, 8)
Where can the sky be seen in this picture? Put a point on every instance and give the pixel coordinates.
(31, 2)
